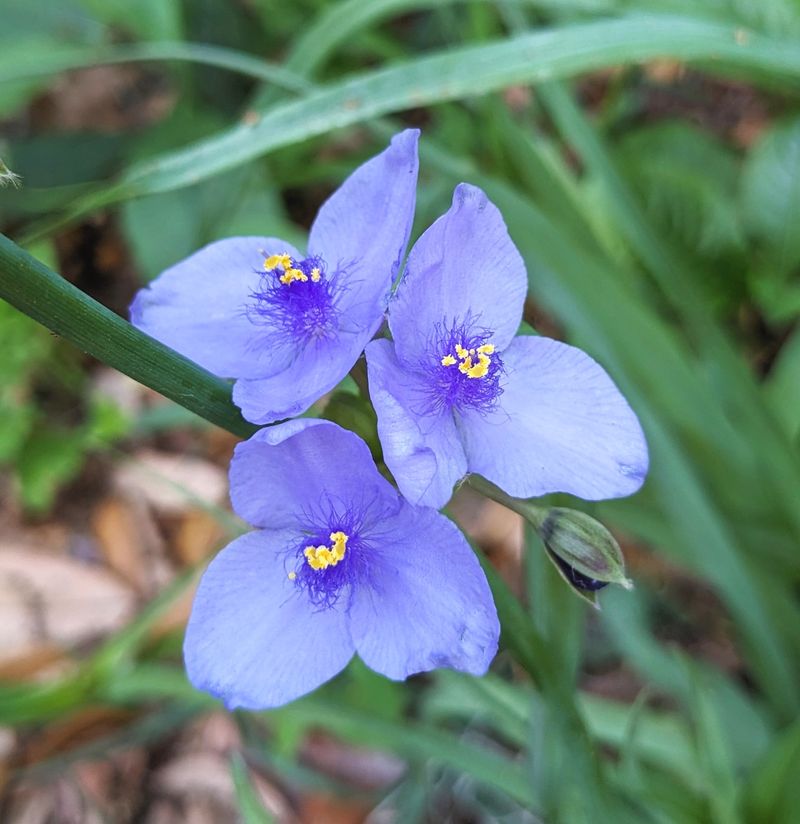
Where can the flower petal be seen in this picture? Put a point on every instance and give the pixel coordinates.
(283, 472)
(362, 229)
(561, 426)
(465, 266)
(318, 368)
(254, 639)
(421, 448)
(200, 307)
(430, 605)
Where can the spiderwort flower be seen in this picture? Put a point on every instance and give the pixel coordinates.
(287, 326)
(456, 392)
(339, 563)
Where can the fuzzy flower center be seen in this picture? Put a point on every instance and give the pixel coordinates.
(328, 563)
(336, 545)
(296, 300)
(464, 371)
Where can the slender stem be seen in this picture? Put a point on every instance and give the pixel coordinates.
(532, 513)
(31, 287)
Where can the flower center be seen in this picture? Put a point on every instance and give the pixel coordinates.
(296, 300)
(322, 557)
(463, 369)
(332, 554)
(477, 369)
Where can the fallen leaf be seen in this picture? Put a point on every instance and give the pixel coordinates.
(45, 599)
(129, 541)
(172, 484)
(198, 535)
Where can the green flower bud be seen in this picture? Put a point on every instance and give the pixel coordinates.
(585, 552)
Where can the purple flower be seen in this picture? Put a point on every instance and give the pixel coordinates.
(339, 564)
(287, 326)
(457, 392)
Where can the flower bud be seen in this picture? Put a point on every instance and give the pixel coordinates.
(585, 552)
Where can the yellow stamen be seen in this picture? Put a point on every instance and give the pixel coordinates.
(461, 351)
(480, 368)
(292, 576)
(448, 360)
(321, 557)
(486, 349)
(291, 275)
(316, 274)
(274, 261)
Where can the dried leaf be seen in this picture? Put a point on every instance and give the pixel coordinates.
(173, 484)
(48, 599)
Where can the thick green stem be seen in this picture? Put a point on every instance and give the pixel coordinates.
(31, 287)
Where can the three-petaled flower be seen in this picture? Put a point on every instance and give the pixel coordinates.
(456, 392)
(339, 564)
(287, 326)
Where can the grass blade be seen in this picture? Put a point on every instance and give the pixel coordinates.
(31, 287)
(452, 75)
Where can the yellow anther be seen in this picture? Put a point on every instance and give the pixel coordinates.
(480, 368)
(292, 576)
(316, 274)
(465, 365)
(486, 349)
(321, 557)
(274, 261)
(291, 275)
(339, 540)
(448, 360)
(461, 351)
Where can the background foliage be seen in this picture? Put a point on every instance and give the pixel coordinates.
(646, 156)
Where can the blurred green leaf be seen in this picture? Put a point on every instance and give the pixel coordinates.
(418, 743)
(48, 460)
(772, 796)
(250, 806)
(775, 291)
(688, 181)
(67, 159)
(771, 192)
(714, 756)
(782, 386)
(147, 19)
(632, 622)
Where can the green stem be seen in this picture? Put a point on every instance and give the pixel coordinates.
(534, 514)
(31, 287)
